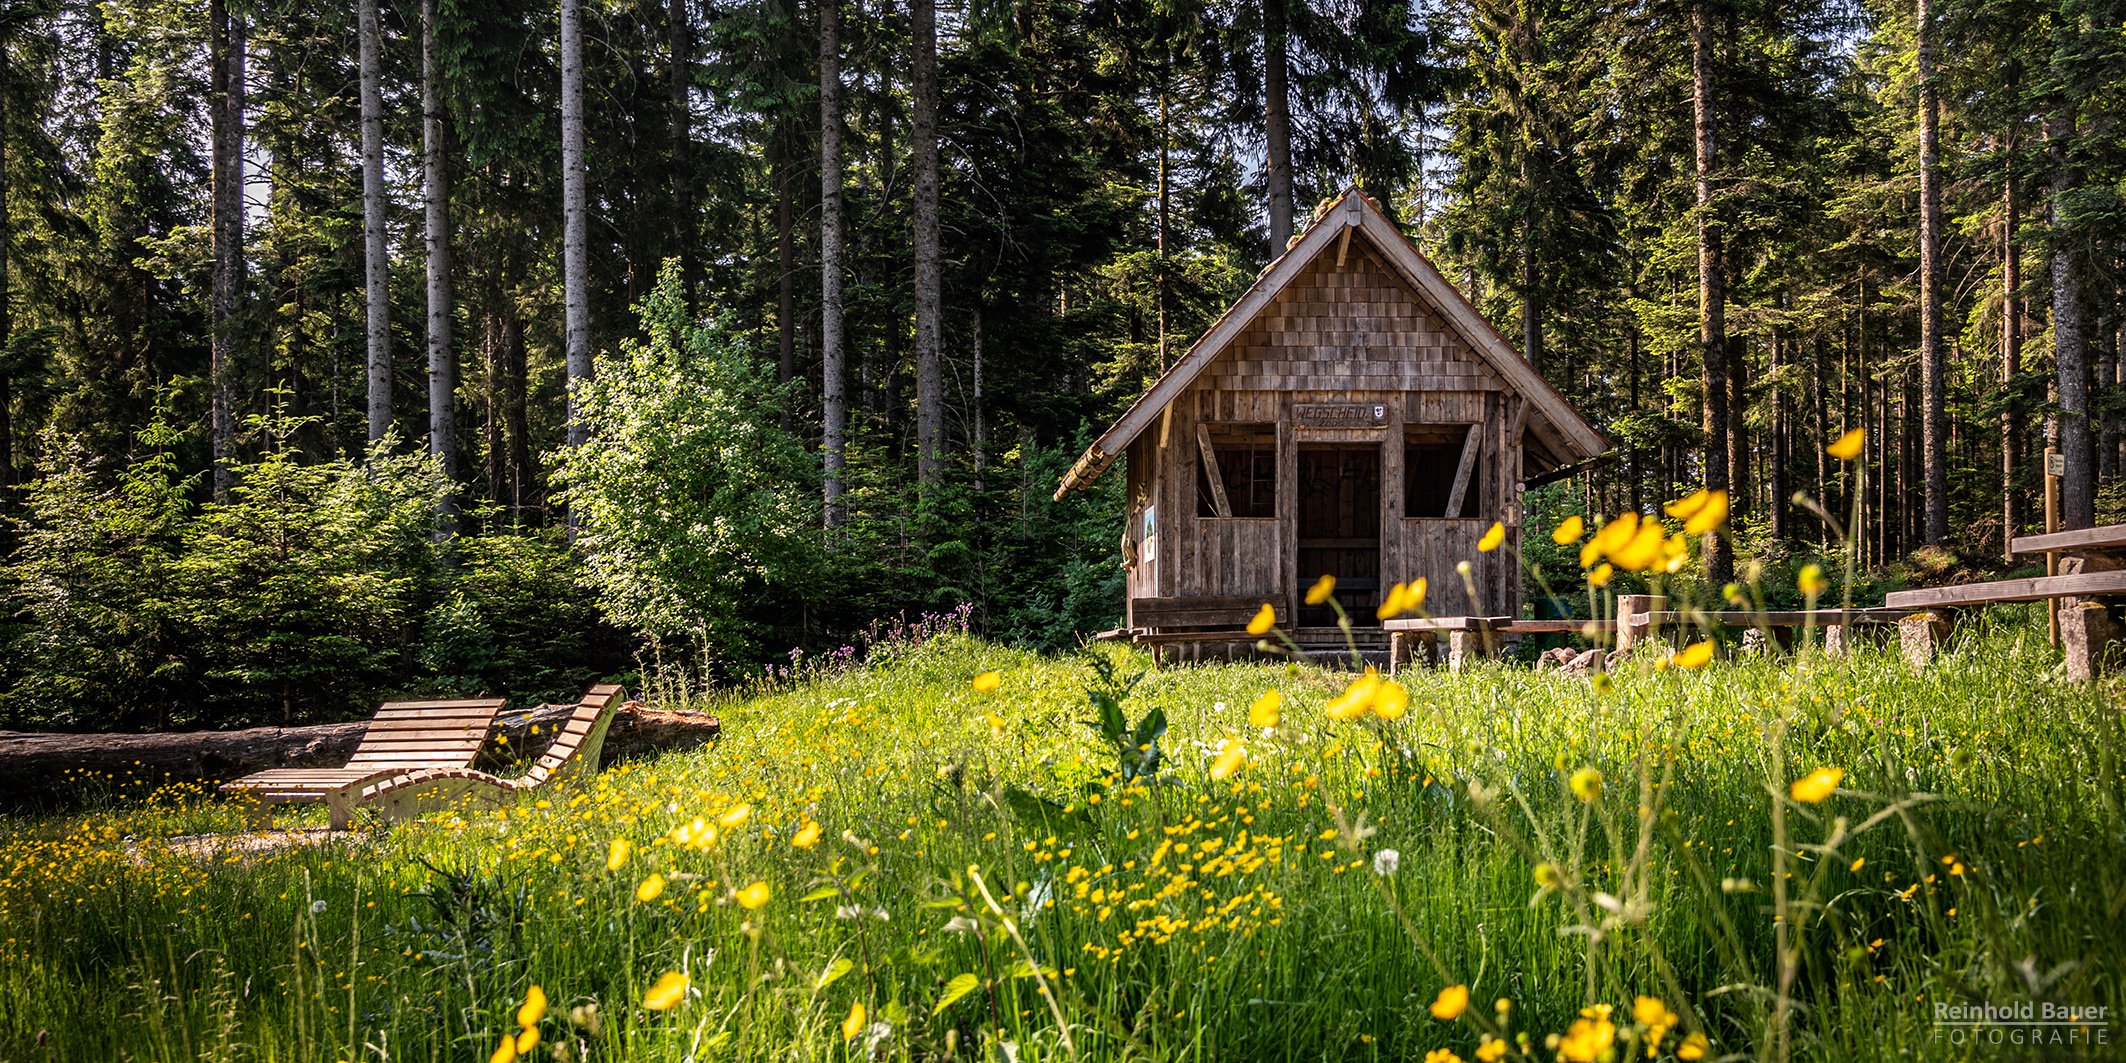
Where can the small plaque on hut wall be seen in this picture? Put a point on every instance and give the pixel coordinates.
(1341, 414)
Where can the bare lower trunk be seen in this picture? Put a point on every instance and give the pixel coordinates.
(1277, 124)
(682, 135)
(376, 257)
(833, 370)
(2011, 362)
(929, 367)
(575, 249)
(2069, 345)
(1933, 362)
(228, 162)
(1712, 294)
(981, 425)
(523, 479)
(785, 269)
(435, 194)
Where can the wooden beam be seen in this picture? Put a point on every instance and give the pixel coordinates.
(2033, 589)
(1343, 246)
(2108, 537)
(1471, 444)
(1219, 503)
(1515, 427)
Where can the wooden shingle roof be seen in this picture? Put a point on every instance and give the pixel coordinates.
(1564, 432)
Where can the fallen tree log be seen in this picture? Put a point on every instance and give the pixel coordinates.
(43, 769)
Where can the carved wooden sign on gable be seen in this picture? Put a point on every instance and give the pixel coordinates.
(1340, 414)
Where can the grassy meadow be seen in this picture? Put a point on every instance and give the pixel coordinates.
(891, 863)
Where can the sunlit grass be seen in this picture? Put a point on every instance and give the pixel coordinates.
(900, 863)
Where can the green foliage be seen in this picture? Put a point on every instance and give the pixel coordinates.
(516, 620)
(693, 504)
(1135, 746)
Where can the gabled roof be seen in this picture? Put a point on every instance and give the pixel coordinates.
(1564, 432)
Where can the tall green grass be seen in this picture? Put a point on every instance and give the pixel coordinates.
(981, 872)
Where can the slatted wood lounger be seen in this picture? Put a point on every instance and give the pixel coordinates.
(573, 754)
(403, 735)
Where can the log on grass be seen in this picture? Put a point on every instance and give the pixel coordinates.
(48, 768)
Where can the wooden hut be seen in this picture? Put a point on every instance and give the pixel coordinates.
(1352, 415)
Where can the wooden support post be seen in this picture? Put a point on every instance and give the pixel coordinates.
(2087, 632)
(1922, 635)
(1211, 471)
(2054, 460)
(1471, 443)
(1630, 606)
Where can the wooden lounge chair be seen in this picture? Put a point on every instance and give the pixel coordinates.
(572, 757)
(404, 735)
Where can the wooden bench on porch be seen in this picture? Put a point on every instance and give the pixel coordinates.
(2086, 596)
(1193, 629)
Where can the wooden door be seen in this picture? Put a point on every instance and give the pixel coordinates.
(1338, 527)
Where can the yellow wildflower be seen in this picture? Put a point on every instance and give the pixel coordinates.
(527, 1039)
(650, 889)
(1849, 445)
(1229, 761)
(1688, 506)
(753, 896)
(736, 815)
(1321, 590)
(1695, 655)
(1589, 1037)
(1390, 700)
(617, 853)
(1266, 710)
(807, 836)
(505, 1052)
(1402, 598)
(1709, 516)
(1568, 532)
(987, 682)
(1812, 788)
(1586, 784)
(1265, 618)
(670, 989)
(1693, 1047)
(534, 1007)
(1642, 551)
(1491, 1051)
(1449, 1004)
(1492, 538)
(1356, 698)
(1442, 1055)
(854, 1024)
(1811, 580)
(1599, 577)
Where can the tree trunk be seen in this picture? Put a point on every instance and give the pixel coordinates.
(1776, 471)
(1531, 298)
(435, 196)
(1738, 444)
(575, 249)
(515, 416)
(2069, 346)
(929, 368)
(228, 165)
(7, 323)
(1933, 362)
(981, 425)
(1277, 124)
(833, 370)
(682, 136)
(1712, 295)
(785, 266)
(376, 257)
(2011, 360)
(1165, 216)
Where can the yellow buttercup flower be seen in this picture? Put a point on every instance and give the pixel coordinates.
(697, 835)
(1442, 1055)
(617, 853)
(1402, 598)
(1817, 785)
(987, 682)
(1492, 538)
(1491, 1051)
(1586, 785)
(1568, 530)
(1688, 506)
(527, 1039)
(854, 1024)
(505, 1052)
(1449, 1004)
(807, 836)
(1642, 552)
(753, 896)
(1848, 446)
(1390, 700)
(1812, 580)
(1599, 577)
(671, 988)
(1229, 761)
(1356, 698)
(1695, 655)
(1590, 1036)
(1709, 516)
(1693, 1047)
(534, 1007)
(1265, 618)
(650, 889)
(1266, 710)
(736, 815)
(1321, 590)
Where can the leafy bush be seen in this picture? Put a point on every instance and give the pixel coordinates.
(516, 620)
